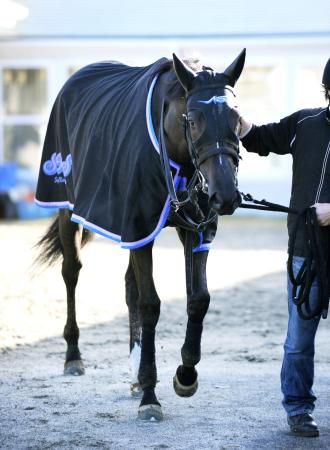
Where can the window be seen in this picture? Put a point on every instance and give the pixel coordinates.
(25, 108)
(261, 92)
(25, 91)
(22, 144)
(73, 69)
(262, 99)
(309, 91)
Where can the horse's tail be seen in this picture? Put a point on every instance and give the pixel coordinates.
(50, 246)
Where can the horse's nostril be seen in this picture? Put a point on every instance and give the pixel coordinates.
(215, 202)
(224, 206)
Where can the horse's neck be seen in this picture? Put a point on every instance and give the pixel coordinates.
(173, 126)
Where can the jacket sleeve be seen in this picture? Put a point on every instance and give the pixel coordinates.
(272, 137)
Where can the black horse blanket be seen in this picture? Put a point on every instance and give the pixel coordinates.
(101, 155)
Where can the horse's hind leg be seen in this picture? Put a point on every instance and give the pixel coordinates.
(185, 380)
(149, 309)
(132, 298)
(71, 237)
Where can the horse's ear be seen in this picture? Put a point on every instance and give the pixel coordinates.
(234, 71)
(183, 72)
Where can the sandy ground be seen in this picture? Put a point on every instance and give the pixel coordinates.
(237, 405)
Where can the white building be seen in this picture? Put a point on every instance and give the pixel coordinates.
(287, 43)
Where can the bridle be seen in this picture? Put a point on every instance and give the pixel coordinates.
(196, 185)
(199, 150)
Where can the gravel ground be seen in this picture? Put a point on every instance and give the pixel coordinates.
(238, 403)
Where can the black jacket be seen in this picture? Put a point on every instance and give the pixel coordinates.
(306, 135)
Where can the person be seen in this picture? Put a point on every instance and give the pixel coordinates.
(305, 135)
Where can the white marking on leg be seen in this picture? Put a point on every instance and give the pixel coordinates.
(134, 362)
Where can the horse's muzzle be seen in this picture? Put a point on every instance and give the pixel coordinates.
(225, 207)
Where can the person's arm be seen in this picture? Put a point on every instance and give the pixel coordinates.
(272, 137)
(322, 213)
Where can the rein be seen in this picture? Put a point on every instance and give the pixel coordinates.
(316, 265)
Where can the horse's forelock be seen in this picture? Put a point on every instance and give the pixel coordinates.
(209, 77)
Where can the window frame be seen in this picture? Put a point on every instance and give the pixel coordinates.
(56, 75)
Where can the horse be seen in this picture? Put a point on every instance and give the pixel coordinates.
(92, 148)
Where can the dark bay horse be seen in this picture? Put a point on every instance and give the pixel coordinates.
(195, 129)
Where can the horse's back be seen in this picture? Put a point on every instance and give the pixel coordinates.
(103, 79)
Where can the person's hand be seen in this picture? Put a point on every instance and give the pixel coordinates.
(245, 127)
(322, 213)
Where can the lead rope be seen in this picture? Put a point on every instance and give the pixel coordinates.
(315, 266)
(316, 263)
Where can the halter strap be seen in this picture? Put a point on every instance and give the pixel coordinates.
(208, 87)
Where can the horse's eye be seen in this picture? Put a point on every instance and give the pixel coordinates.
(192, 123)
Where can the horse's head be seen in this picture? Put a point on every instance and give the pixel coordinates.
(211, 129)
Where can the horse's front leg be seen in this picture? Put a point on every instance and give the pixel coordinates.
(149, 309)
(185, 380)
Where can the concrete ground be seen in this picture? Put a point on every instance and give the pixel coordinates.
(238, 403)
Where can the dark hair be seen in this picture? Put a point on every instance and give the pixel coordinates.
(326, 79)
(326, 92)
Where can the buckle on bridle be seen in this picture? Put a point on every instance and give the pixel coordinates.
(175, 205)
(202, 185)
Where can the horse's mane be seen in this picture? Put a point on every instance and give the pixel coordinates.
(174, 88)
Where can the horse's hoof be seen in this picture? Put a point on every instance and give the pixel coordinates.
(136, 390)
(75, 367)
(182, 390)
(150, 412)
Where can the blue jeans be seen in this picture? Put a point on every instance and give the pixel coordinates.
(297, 374)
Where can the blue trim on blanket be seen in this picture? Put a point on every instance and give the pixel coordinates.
(94, 228)
(115, 237)
(162, 220)
(59, 205)
(150, 126)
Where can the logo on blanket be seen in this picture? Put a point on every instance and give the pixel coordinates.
(56, 166)
(215, 99)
